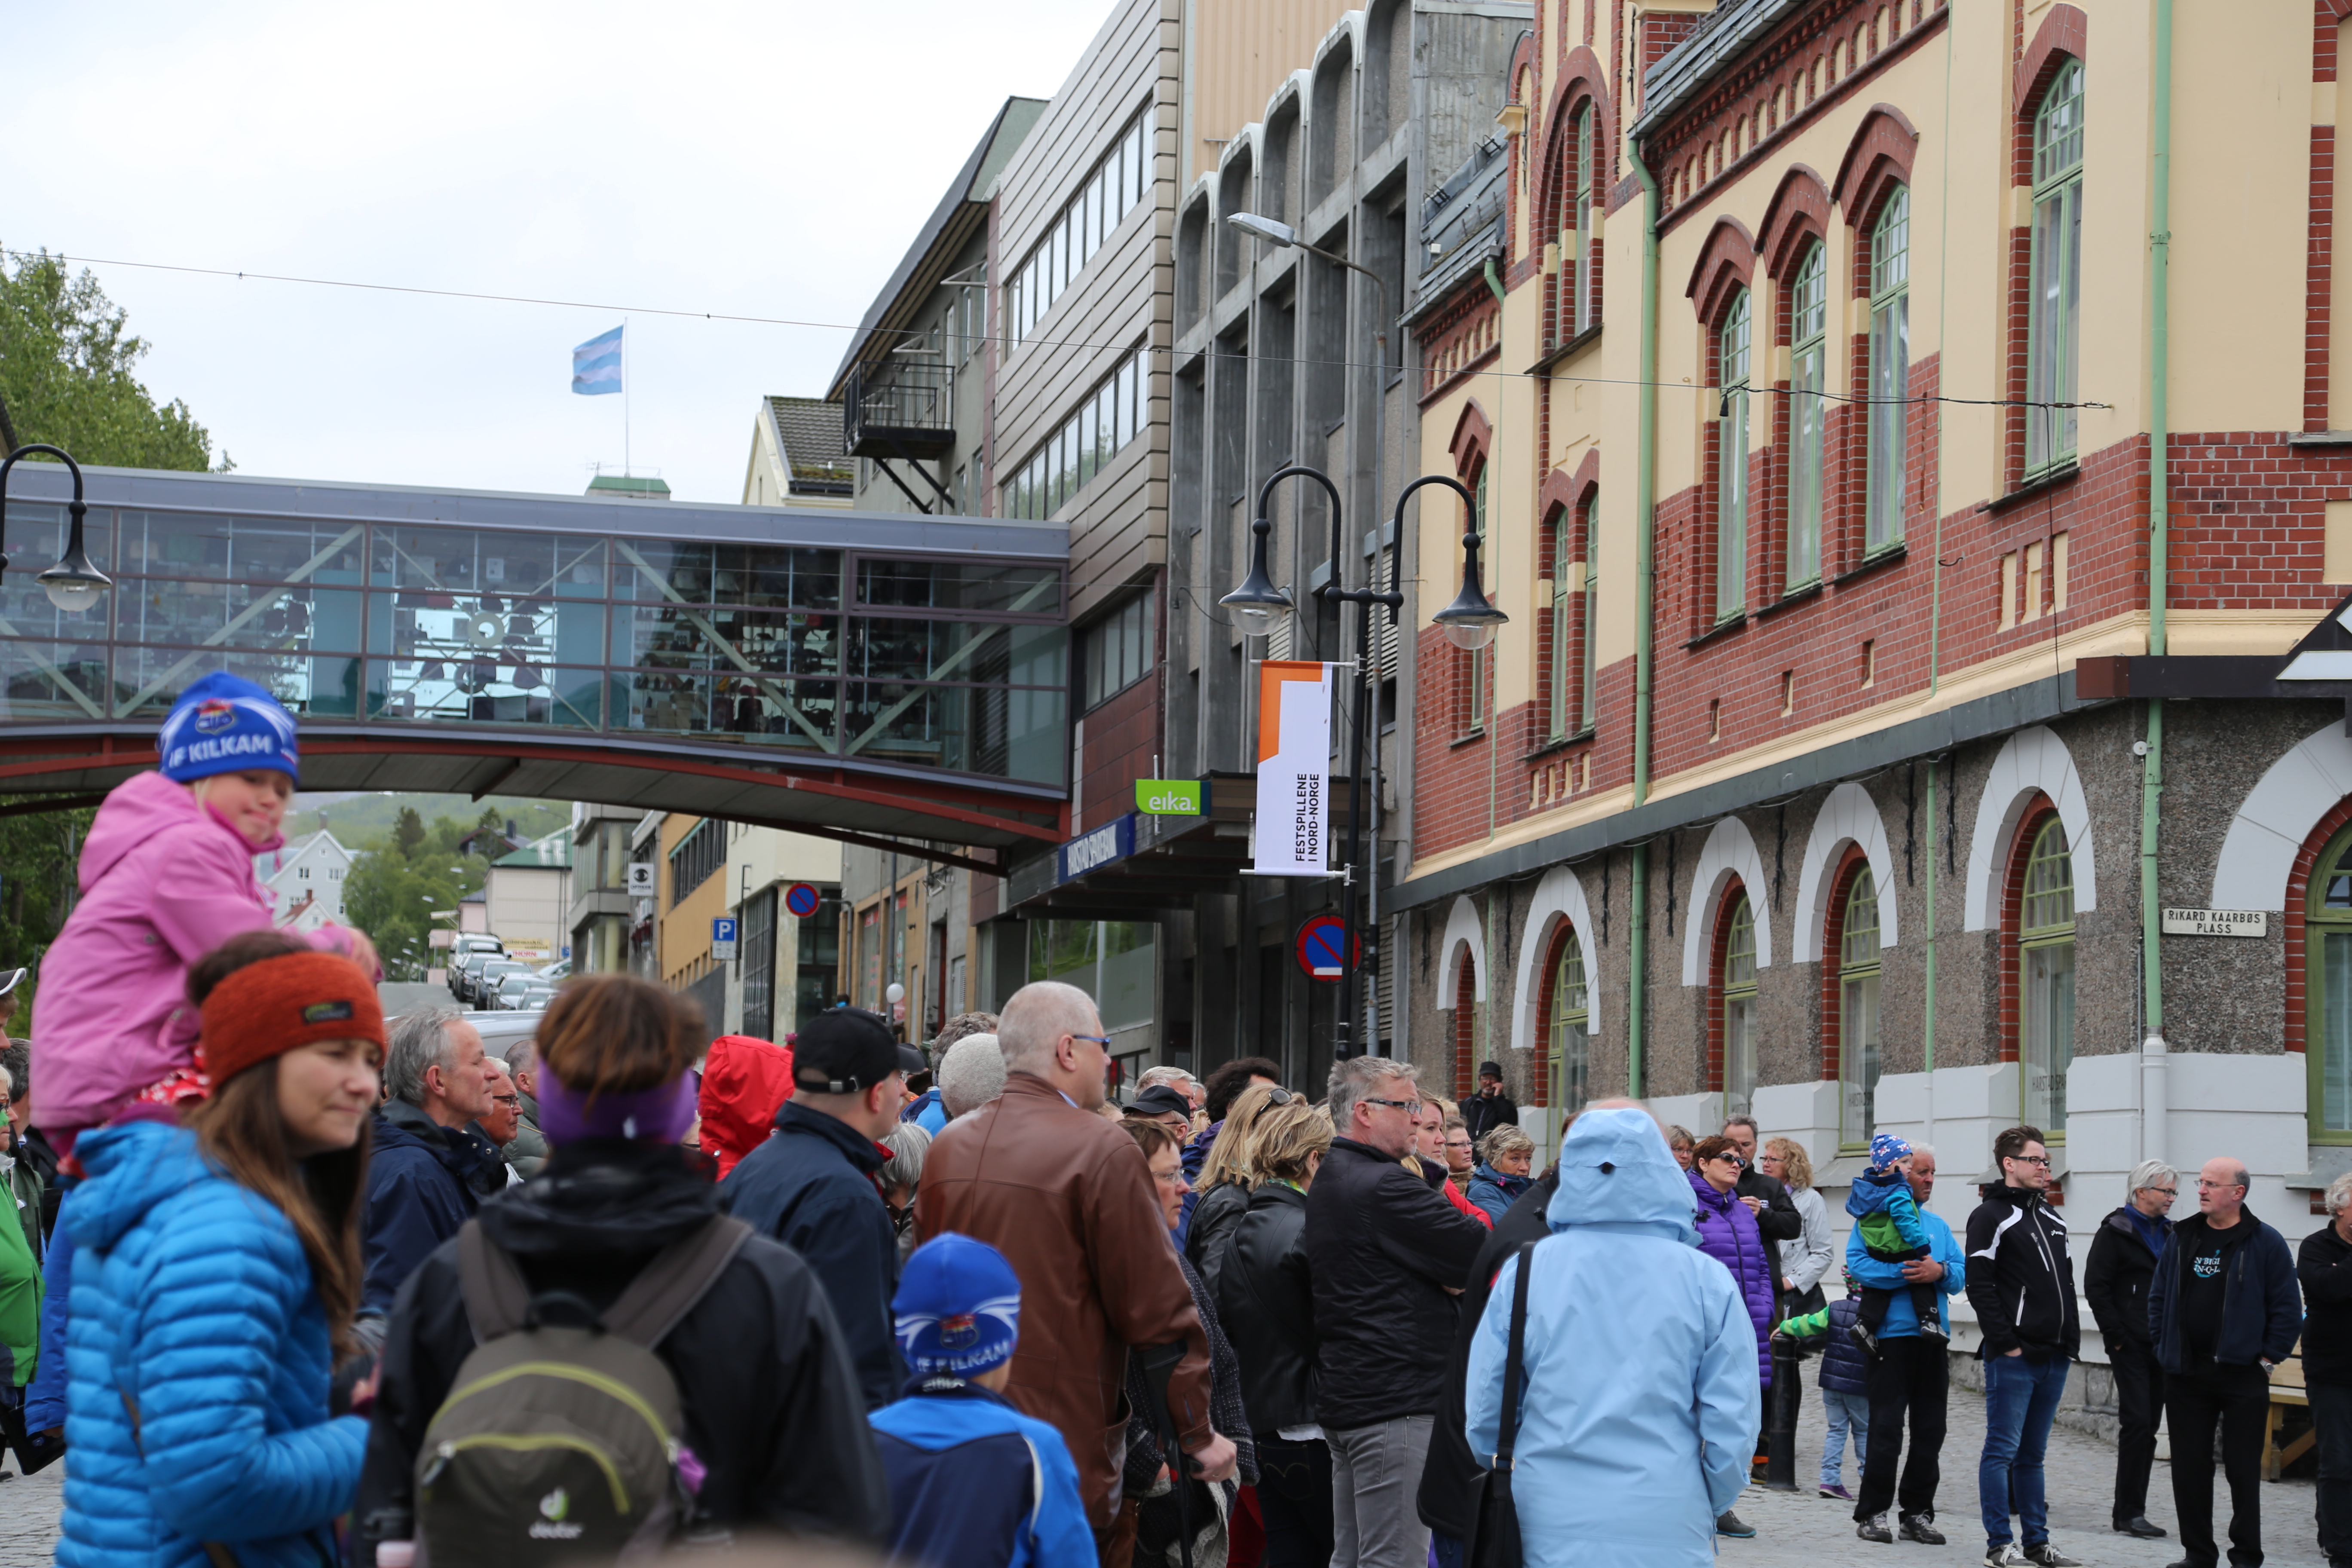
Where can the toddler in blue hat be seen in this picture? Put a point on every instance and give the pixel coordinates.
(974, 1483)
(1888, 1219)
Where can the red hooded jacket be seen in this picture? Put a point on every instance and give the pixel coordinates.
(745, 1081)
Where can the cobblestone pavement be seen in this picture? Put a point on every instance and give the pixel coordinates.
(29, 1506)
(1793, 1530)
(1801, 1528)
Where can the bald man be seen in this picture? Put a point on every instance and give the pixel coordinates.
(2223, 1310)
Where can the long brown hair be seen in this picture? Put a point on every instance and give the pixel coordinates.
(241, 1129)
(615, 1034)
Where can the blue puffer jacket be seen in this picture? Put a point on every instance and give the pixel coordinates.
(1844, 1366)
(1728, 1233)
(1494, 1193)
(193, 1300)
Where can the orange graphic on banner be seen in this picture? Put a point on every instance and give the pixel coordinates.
(1271, 674)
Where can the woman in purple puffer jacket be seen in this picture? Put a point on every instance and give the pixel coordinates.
(1728, 1233)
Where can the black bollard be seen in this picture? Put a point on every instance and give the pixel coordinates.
(1780, 1419)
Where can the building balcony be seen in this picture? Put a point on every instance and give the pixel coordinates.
(902, 409)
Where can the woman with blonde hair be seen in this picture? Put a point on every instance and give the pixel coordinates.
(1806, 1261)
(1224, 1180)
(1268, 1309)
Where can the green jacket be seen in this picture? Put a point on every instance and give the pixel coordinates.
(20, 1286)
(25, 1184)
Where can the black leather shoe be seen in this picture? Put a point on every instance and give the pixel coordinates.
(2139, 1529)
(1921, 1528)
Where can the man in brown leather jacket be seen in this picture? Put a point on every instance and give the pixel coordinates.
(1067, 1196)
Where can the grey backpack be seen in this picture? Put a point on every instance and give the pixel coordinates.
(560, 1440)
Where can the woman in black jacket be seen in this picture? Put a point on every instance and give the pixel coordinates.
(774, 1417)
(1268, 1310)
(1224, 1182)
(2124, 1251)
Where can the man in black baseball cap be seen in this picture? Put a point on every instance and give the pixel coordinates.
(1165, 1104)
(812, 1185)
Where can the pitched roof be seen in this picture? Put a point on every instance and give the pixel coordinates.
(808, 433)
(551, 853)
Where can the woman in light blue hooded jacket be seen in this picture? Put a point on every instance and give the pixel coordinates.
(1642, 1403)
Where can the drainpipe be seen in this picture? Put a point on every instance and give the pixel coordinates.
(2155, 1099)
(1645, 572)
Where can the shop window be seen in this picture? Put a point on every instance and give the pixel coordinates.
(2054, 348)
(1735, 1004)
(2045, 944)
(2327, 959)
(1890, 370)
(1808, 415)
(1858, 980)
(1731, 462)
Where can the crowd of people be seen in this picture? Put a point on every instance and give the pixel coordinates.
(293, 1283)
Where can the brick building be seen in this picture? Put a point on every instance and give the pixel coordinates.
(1846, 694)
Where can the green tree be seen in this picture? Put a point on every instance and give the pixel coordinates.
(66, 360)
(409, 832)
(39, 857)
(405, 885)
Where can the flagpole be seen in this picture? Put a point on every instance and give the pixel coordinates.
(625, 469)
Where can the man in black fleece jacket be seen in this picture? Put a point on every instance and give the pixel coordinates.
(1387, 1258)
(2223, 1310)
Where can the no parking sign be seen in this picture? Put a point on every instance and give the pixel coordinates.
(1324, 948)
(801, 901)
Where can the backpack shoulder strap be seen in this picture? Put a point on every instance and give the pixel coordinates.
(497, 1298)
(1514, 1363)
(674, 1279)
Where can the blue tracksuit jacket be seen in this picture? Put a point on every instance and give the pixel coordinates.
(976, 1484)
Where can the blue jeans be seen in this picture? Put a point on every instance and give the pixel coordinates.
(2020, 1401)
(1846, 1413)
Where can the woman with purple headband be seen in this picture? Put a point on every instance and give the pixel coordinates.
(775, 1436)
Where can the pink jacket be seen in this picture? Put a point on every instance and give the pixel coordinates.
(164, 882)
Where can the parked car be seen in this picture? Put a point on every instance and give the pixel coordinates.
(460, 966)
(535, 997)
(510, 988)
(482, 979)
(559, 970)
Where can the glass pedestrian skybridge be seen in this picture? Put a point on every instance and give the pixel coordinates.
(870, 677)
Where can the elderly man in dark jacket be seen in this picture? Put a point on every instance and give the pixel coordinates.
(2115, 1281)
(2323, 1267)
(2223, 1310)
(1776, 1218)
(428, 1170)
(811, 1185)
(1388, 1257)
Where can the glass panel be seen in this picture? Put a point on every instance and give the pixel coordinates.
(1858, 1057)
(1130, 969)
(675, 637)
(53, 680)
(1738, 1055)
(36, 538)
(236, 615)
(146, 679)
(236, 549)
(799, 713)
(1810, 414)
(2049, 902)
(2058, 129)
(1890, 383)
(462, 561)
(1739, 948)
(2337, 891)
(1860, 943)
(2335, 1032)
(927, 650)
(1731, 467)
(2046, 1040)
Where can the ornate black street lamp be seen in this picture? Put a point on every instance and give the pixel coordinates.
(73, 585)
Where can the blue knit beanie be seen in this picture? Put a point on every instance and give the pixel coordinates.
(958, 1307)
(1885, 1149)
(225, 724)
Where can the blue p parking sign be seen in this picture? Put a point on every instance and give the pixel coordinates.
(722, 937)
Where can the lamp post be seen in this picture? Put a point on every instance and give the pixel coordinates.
(73, 585)
(1283, 237)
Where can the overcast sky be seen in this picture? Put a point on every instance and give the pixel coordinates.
(770, 160)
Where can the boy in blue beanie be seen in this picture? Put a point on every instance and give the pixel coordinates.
(1888, 1218)
(974, 1483)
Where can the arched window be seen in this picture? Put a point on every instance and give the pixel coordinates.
(1736, 1003)
(1890, 369)
(2054, 350)
(1808, 414)
(1465, 1028)
(1587, 702)
(2327, 960)
(2045, 954)
(1731, 462)
(1858, 1013)
(1570, 1039)
(1585, 304)
(1560, 667)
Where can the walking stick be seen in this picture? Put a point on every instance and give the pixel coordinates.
(1159, 1365)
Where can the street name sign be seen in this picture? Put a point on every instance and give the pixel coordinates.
(2216, 922)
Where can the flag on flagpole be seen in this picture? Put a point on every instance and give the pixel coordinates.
(596, 364)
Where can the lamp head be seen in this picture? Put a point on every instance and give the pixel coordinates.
(1257, 604)
(1470, 621)
(1265, 228)
(73, 585)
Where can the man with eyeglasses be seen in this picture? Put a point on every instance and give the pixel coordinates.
(1387, 1258)
(2022, 1284)
(2223, 1310)
(2124, 1251)
(503, 1120)
(1039, 1174)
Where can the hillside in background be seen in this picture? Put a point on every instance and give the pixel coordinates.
(357, 818)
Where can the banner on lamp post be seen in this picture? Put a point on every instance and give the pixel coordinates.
(1294, 770)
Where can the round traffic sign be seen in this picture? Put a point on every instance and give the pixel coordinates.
(800, 900)
(1324, 948)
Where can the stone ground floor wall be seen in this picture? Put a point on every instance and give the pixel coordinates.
(2246, 785)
